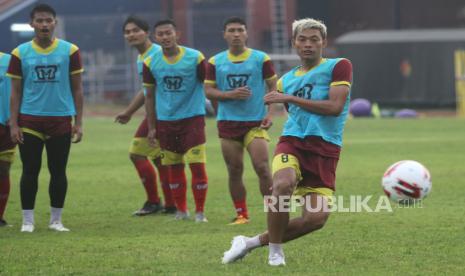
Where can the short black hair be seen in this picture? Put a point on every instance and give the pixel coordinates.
(139, 22)
(234, 19)
(42, 8)
(165, 22)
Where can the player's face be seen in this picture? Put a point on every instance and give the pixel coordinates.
(235, 35)
(134, 35)
(166, 36)
(309, 44)
(43, 24)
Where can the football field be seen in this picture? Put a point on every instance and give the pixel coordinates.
(105, 239)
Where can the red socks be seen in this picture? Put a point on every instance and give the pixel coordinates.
(178, 185)
(199, 185)
(177, 182)
(4, 192)
(241, 208)
(149, 178)
(165, 184)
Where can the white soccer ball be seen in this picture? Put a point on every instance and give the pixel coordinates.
(406, 181)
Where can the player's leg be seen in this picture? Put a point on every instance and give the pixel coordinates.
(7, 151)
(196, 157)
(30, 152)
(170, 206)
(4, 187)
(257, 146)
(177, 181)
(57, 148)
(233, 154)
(139, 150)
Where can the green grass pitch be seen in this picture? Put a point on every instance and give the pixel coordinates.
(106, 240)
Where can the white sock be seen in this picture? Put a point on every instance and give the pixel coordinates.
(253, 242)
(55, 214)
(276, 248)
(28, 216)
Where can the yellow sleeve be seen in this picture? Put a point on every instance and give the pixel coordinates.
(279, 85)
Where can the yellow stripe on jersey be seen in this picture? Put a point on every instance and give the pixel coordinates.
(77, 71)
(200, 58)
(212, 61)
(272, 77)
(266, 58)
(240, 58)
(141, 57)
(47, 50)
(14, 76)
(148, 84)
(177, 58)
(301, 72)
(209, 82)
(279, 85)
(336, 83)
(15, 52)
(73, 49)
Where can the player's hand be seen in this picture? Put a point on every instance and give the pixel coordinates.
(240, 93)
(76, 133)
(122, 118)
(152, 138)
(267, 122)
(275, 97)
(16, 135)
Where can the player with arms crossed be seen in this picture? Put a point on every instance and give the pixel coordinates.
(237, 79)
(175, 104)
(136, 33)
(317, 95)
(7, 147)
(46, 93)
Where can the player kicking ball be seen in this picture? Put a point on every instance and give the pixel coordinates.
(317, 96)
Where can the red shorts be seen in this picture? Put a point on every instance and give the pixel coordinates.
(235, 130)
(5, 139)
(46, 125)
(142, 130)
(317, 159)
(181, 135)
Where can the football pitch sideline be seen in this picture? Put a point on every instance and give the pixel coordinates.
(104, 190)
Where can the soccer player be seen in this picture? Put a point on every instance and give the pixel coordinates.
(175, 100)
(7, 147)
(136, 32)
(317, 95)
(237, 79)
(46, 93)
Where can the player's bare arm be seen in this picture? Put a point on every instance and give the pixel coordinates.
(332, 107)
(267, 122)
(214, 94)
(150, 110)
(136, 103)
(16, 94)
(76, 87)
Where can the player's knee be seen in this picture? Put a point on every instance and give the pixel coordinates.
(282, 186)
(235, 169)
(262, 169)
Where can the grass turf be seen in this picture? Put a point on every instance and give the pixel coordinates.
(104, 190)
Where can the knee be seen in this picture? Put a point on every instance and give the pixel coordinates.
(282, 186)
(235, 170)
(262, 169)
